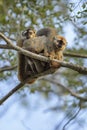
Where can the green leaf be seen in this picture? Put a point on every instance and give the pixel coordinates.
(84, 5)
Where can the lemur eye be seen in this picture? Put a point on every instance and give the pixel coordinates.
(30, 32)
(59, 41)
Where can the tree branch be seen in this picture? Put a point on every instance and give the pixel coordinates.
(73, 117)
(74, 55)
(68, 54)
(67, 89)
(80, 69)
(6, 47)
(20, 85)
(7, 68)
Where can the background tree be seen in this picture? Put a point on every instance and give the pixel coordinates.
(70, 19)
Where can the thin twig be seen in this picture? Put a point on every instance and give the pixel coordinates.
(75, 55)
(68, 89)
(72, 118)
(11, 92)
(7, 68)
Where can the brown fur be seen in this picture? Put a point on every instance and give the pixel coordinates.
(22, 62)
(46, 42)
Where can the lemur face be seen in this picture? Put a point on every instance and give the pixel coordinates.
(29, 33)
(59, 42)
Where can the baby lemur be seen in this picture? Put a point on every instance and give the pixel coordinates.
(23, 62)
(29, 33)
(45, 42)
